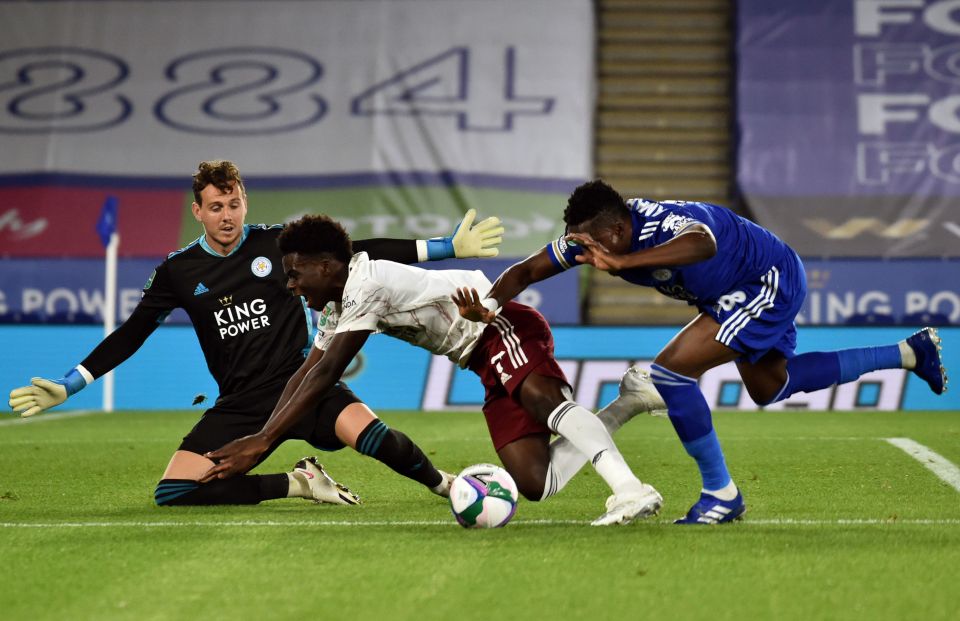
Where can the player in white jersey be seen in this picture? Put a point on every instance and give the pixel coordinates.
(253, 334)
(527, 394)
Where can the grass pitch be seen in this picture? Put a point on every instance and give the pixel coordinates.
(841, 524)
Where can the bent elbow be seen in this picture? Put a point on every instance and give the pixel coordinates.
(710, 247)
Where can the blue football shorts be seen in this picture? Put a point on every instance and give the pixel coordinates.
(758, 316)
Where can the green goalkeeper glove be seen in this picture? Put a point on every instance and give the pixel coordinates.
(468, 239)
(43, 394)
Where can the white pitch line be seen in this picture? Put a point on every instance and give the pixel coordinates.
(945, 469)
(39, 418)
(451, 523)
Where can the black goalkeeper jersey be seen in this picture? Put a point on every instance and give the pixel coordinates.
(251, 329)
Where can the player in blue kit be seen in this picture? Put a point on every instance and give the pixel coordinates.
(748, 286)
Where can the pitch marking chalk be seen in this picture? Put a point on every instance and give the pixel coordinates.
(946, 470)
(451, 523)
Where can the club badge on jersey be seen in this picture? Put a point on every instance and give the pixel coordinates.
(261, 267)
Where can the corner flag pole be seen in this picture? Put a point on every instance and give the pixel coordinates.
(107, 229)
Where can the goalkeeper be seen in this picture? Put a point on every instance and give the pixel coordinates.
(254, 336)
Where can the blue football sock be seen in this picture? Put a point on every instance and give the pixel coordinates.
(817, 370)
(692, 421)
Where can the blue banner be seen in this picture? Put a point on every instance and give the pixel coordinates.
(71, 290)
(169, 372)
(903, 291)
(849, 123)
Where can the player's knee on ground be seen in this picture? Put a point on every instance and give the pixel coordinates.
(531, 490)
(172, 491)
(241, 490)
(529, 483)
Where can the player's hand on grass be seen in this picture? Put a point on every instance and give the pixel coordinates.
(595, 253)
(236, 457)
(477, 240)
(470, 307)
(41, 395)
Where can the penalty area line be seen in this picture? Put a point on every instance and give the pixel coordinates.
(945, 469)
(449, 523)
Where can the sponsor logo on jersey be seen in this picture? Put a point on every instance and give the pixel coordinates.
(261, 267)
(236, 319)
(201, 289)
(226, 300)
(325, 315)
(677, 292)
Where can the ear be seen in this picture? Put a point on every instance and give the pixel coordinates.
(196, 211)
(625, 226)
(329, 266)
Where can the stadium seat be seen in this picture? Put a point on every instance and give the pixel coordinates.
(71, 318)
(871, 319)
(925, 319)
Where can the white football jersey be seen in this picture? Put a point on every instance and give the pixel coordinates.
(406, 302)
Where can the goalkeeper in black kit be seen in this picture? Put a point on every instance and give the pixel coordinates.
(254, 335)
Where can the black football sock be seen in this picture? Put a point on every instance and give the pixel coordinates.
(244, 490)
(397, 451)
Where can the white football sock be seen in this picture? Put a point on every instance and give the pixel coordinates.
(727, 492)
(566, 460)
(298, 488)
(590, 437)
(443, 488)
(908, 357)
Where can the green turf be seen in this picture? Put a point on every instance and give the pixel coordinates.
(841, 525)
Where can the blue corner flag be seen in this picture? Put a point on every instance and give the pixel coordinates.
(107, 223)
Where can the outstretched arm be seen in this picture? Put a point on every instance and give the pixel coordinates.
(521, 275)
(240, 455)
(468, 240)
(43, 394)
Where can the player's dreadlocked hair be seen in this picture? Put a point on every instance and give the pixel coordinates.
(219, 174)
(592, 199)
(316, 234)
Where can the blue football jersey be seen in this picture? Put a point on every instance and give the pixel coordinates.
(745, 251)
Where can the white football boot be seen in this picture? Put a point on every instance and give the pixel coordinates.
(627, 507)
(443, 489)
(321, 486)
(637, 395)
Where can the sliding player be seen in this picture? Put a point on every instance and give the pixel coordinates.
(254, 335)
(527, 393)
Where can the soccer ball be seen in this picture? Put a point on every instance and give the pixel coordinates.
(483, 496)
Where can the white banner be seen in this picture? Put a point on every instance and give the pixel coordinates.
(340, 87)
